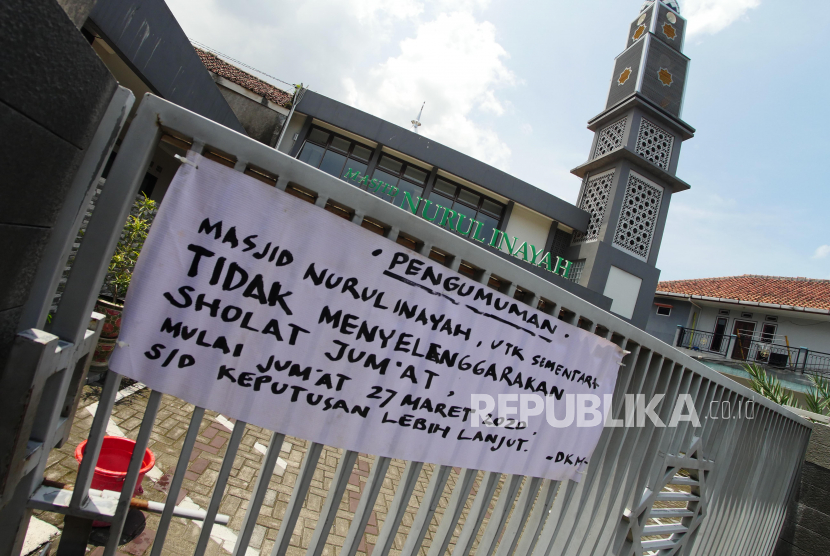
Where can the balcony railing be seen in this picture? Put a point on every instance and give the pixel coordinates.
(754, 350)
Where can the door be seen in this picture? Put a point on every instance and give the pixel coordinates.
(767, 337)
(743, 330)
(717, 337)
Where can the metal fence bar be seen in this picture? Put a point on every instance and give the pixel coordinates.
(754, 543)
(536, 521)
(475, 517)
(724, 458)
(117, 525)
(777, 513)
(423, 518)
(740, 476)
(732, 471)
(365, 506)
(622, 493)
(452, 513)
(95, 439)
(498, 517)
(178, 477)
(219, 487)
(551, 528)
(295, 503)
(631, 477)
(397, 508)
(266, 471)
(332, 503)
(749, 514)
(518, 518)
(644, 380)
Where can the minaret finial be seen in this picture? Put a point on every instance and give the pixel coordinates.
(416, 123)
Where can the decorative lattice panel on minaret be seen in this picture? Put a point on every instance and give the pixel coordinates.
(638, 218)
(595, 202)
(654, 144)
(610, 138)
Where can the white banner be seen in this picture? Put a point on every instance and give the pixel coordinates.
(268, 309)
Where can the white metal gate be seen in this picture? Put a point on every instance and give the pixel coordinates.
(721, 488)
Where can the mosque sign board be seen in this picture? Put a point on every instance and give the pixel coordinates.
(252, 303)
(453, 221)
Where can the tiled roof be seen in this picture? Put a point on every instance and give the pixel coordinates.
(777, 290)
(242, 78)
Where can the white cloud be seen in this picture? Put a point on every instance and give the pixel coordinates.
(822, 252)
(369, 10)
(456, 65)
(712, 16)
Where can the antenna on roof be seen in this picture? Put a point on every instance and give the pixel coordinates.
(416, 123)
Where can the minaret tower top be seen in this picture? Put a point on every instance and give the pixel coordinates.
(629, 177)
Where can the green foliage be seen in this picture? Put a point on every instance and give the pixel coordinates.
(120, 271)
(768, 386)
(818, 397)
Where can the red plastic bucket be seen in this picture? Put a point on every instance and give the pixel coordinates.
(111, 468)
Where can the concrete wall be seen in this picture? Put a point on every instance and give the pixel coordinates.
(806, 530)
(665, 327)
(53, 92)
(77, 10)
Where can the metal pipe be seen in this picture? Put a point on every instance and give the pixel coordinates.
(148, 505)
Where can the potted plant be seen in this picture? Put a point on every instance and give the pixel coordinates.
(119, 275)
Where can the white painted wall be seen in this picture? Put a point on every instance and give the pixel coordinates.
(812, 332)
(623, 288)
(529, 226)
(294, 126)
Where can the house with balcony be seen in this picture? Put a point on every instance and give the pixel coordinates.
(779, 322)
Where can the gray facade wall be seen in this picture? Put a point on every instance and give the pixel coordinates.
(665, 327)
(53, 93)
(599, 257)
(806, 530)
(148, 38)
(260, 122)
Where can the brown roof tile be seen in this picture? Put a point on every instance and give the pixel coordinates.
(244, 79)
(778, 290)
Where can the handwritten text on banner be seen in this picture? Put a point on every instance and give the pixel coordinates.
(253, 303)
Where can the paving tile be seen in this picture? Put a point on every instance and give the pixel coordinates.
(139, 545)
(206, 448)
(199, 465)
(218, 441)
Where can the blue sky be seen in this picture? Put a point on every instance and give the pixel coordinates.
(514, 83)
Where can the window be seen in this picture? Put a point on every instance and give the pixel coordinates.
(576, 271)
(746, 315)
(770, 318)
(334, 154)
(406, 177)
(723, 312)
(664, 310)
(768, 333)
(471, 204)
